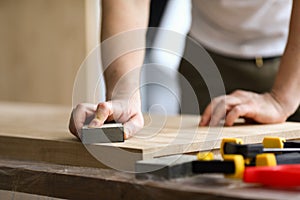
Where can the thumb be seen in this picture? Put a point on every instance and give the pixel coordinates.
(103, 111)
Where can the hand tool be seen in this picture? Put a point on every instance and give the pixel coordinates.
(185, 165)
(270, 145)
(276, 176)
(271, 159)
(232, 165)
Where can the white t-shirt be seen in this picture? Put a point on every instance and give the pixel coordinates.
(242, 28)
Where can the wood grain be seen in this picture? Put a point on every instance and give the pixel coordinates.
(69, 182)
(40, 133)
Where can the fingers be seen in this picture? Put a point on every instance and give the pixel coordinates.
(262, 108)
(109, 111)
(119, 110)
(205, 118)
(103, 112)
(132, 126)
(239, 111)
(72, 126)
(217, 109)
(218, 112)
(78, 117)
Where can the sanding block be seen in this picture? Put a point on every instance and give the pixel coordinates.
(111, 132)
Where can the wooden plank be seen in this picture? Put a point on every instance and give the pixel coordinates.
(90, 183)
(40, 133)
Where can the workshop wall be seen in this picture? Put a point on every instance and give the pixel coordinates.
(42, 44)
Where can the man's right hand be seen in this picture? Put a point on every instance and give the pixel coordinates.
(127, 112)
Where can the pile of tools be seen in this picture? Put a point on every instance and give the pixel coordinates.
(275, 162)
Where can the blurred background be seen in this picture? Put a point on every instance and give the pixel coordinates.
(44, 42)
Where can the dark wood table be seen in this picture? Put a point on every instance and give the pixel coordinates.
(69, 182)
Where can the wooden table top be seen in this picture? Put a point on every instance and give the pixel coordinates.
(40, 132)
(35, 142)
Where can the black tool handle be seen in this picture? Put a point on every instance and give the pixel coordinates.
(246, 150)
(292, 144)
(213, 166)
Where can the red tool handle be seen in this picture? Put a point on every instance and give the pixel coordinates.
(278, 176)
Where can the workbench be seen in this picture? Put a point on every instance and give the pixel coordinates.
(39, 156)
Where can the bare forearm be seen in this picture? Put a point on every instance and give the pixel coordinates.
(118, 17)
(287, 84)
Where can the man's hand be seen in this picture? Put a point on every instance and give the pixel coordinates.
(271, 107)
(262, 108)
(80, 115)
(127, 112)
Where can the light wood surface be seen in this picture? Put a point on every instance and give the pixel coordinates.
(40, 133)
